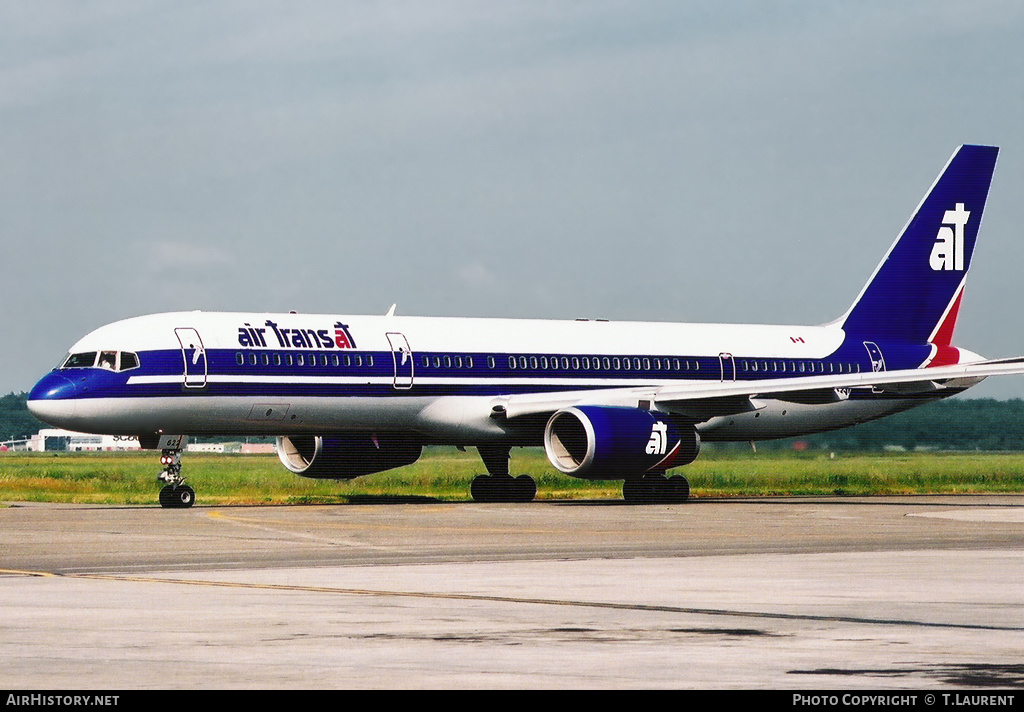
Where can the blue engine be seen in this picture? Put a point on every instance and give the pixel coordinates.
(343, 457)
(606, 443)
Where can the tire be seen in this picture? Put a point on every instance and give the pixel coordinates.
(167, 497)
(679, 488)
(180, 497)
(633, 491)
(481, 489)
(525, 488)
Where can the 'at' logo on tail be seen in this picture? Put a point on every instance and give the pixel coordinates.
(948, 251)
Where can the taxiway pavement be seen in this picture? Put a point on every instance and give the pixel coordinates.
(803, 593)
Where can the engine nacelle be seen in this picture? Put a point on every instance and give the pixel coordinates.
(343, 457)
(606, 443)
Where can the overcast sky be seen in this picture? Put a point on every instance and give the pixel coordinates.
(673, 161)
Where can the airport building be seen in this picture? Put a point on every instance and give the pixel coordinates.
(56, 440)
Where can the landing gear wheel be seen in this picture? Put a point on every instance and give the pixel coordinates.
(481, 488)
(636, 491)
(177, 494)
(498, 485)
(503, 488)
(656, 488)
(177, 497)
(186, 496)
(679, 488)
(526, 488)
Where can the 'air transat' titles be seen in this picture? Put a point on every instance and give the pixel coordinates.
(255, 337)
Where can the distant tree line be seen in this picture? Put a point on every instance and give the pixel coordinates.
(954, 424)
(16, 422)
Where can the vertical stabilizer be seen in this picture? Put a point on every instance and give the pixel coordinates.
(914, 294)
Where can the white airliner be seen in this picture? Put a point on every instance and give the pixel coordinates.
(352, 395)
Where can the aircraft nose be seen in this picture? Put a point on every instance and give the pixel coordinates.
(52, 400)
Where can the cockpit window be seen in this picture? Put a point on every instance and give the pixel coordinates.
(128, 361)
(110, 360)
(86, 360)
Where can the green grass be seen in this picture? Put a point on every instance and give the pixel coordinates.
(445, 474)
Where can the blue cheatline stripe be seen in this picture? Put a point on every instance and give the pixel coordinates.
(161, 373)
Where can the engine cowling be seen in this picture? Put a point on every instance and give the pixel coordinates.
(343, 457)
(611, 443)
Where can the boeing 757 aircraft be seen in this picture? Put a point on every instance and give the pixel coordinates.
(352, 395)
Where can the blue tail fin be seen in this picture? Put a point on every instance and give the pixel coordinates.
(914, 294)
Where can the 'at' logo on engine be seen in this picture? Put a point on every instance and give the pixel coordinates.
(658, 443)
(948, 250)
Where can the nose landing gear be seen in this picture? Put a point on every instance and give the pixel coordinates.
(176, 494)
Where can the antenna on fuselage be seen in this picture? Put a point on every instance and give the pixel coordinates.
(391, 311)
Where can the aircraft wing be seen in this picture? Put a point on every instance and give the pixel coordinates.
(706, 399)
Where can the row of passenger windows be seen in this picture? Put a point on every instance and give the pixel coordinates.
(543, 363)
(566, 363)
(798, 367)
(451, 361)
(299, 359)
(608, 363)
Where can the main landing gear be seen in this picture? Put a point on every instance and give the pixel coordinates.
(656, 488)
(498, 485)
(176, 494)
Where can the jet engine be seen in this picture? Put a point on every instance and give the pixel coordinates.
(343, 457)
(612, 443)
